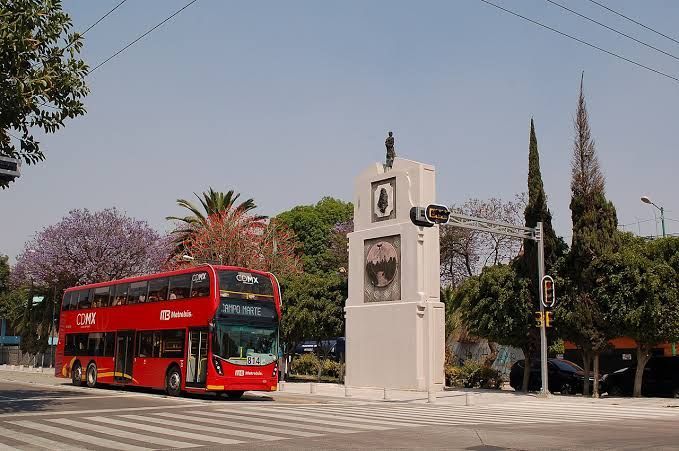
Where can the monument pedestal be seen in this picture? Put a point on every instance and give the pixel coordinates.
(394, 317)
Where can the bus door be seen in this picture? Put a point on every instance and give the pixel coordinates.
(196, 362)
(124, 356)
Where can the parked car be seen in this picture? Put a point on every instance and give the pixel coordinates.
(334, 348)
(563, 376)
(661, 378)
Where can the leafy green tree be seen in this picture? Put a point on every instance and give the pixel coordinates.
(497, 305)
(313, 226)
(43, 81)
(313, 308)
(527, 264)
(211, 203)
(640, 287)
(595, 235)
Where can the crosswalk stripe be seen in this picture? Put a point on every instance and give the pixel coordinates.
(8, 448)
(507, 414)
(200, 427)
(168, 432)
(77, 436)
(468, 418)
(342, 415)
(234, 424)
(290, 423)
(622, 413)
(123, 433)
(319, 421)
(36, 440)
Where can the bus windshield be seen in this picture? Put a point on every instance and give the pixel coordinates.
(245, 344)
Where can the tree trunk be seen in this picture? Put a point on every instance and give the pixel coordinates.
(585, 367)
(595, 386)
(526, 372)
(643, 356)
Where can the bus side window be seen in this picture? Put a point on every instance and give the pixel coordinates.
(65, 305)
(85, 298)
(200, 284)
(158, 289)
(109, 344)
(172, 344)
(73, 304)
(69, 346)
(120, 297)
(101, 297)
(138, 292)
(180, 286)
(145, 340)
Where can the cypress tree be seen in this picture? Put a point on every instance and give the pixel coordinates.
(595, 235)
(536, 211)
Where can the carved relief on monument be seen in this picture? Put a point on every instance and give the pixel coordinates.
(382, 280)
(384, 200)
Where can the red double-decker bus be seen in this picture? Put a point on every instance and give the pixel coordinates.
(204, 329)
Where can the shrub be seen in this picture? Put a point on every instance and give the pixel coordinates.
(472, 375)
(306, 364)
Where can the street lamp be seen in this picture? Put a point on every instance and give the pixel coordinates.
(647, 200)
(188, 258)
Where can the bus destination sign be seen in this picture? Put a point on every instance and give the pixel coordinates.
(230, 308)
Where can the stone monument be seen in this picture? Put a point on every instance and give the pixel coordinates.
(394, 317)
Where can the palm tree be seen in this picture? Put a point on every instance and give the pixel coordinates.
(212, 202)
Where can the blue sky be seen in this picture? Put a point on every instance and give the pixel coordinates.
(287, 102)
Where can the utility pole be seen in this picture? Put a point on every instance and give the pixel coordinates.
(440, 214)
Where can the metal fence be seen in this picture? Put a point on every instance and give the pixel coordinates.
(12, 355)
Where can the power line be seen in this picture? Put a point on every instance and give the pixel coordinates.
(612, 29)
(581, 41)
(634, 21)
(144, 35)
(102, 18)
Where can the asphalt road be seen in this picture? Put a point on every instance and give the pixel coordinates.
(34, 416)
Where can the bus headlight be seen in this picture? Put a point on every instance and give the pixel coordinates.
(275, 370)
(218, 366)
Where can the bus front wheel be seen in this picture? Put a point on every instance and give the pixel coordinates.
(173, 382)
(77, 374)
(91, 375)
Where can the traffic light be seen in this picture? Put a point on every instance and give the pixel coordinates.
(549, 318)
(548, 292)
(10, 169)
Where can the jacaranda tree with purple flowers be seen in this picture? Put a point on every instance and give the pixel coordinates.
(86, 247)
(83, 247)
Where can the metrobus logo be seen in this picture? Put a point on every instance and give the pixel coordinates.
(166, 315)
(86, 319)
(247, 278)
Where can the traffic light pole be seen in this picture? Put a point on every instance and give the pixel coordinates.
(440, 214)
(543, 326)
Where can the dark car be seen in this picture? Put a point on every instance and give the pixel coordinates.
(333, 348)
(563, 376)
(661, 378)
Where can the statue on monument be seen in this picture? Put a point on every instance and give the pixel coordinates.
(391, 154)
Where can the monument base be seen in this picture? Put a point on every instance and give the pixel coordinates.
(389, 345)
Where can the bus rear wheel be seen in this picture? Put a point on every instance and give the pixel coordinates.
(234, 394)
(91, 375)
(173, 382)
(77, 374)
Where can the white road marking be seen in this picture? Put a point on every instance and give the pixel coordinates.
(74, 398)
(288, 424)
(89, 439)
(233, 424)
(367, 418)
(199, 427)
(36, 440)
(319, 421)
(165, 431)
(91, 411)
(82, 424)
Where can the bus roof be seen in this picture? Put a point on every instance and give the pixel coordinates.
(190, 269)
